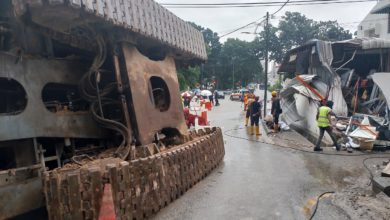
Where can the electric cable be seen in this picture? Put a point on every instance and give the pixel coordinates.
(288, 2)
(242, 27)
(281, 7)
(368, 169)
(297, 149)
(90, 91)
(318, 201)
(312, 152)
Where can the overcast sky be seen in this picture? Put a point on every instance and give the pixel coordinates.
(227, 19)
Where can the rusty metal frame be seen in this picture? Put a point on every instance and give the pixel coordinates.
(36, 120)
(149, 119)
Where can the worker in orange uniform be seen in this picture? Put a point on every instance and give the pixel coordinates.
(276, 110)
(255, 113)
(248, 112)
(245, 101)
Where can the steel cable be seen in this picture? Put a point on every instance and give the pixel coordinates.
(89, 90)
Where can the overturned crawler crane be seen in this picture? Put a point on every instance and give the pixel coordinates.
(89, 98)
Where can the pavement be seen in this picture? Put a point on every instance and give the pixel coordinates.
(258, 180)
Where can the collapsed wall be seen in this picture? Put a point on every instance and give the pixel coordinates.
(343, 72)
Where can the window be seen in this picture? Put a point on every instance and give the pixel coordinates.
(159, 93)
(13, 97)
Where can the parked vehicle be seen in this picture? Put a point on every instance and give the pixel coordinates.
(227, 92)
(221, 95)
(237, 94)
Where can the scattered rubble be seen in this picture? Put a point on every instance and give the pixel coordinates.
(353, 74)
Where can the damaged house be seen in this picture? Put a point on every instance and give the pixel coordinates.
(354, 74)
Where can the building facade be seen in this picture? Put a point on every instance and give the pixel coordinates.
(376, 23)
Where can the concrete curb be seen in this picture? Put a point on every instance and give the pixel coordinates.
(264, 127)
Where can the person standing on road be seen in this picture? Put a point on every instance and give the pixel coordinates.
(248, 110)
(276, 110)
(216, 98)
(211, 98)
(255, 113)
(245, 101)
(324, 124)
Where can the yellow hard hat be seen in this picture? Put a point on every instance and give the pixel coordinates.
(274, 93)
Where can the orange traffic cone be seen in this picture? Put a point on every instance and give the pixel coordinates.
(107, 209)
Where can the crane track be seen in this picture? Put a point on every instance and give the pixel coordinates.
(140, 187)
(146, 18)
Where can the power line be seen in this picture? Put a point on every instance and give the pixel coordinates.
(264, 4)
(242, 27)
(232, 29)
(281, 7)
(253, 4)
(245, 26)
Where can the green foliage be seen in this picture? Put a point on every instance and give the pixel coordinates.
(188, 78)
(331, 31)
(243, 58)
(275, 87)
(296, 29)
(221, 59)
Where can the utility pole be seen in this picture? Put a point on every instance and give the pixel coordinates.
(201, 75)
(233, 74)
(266, 64)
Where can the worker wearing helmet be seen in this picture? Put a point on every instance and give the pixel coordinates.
(245, 101)
(276, 110)
(324, 124)
(248, 110)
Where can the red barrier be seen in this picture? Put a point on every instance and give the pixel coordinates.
(208, 106)
(203, 119)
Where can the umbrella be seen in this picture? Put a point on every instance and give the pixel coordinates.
(196, 91)
(206, 93)
(186, 94)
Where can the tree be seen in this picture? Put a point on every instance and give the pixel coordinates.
(331, 31)
(296, 29)
(274, 46)
(242, 57)
(188, 77)
(213, 48)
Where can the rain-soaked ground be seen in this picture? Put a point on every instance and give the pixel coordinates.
(259, 180)
(262, 181)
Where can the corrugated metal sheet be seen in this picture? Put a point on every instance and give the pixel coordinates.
(383, 82)
(375, 43)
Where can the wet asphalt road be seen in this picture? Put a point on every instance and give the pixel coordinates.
(261, 181)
